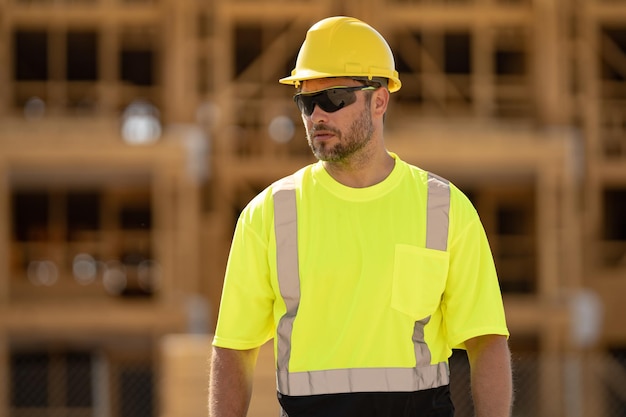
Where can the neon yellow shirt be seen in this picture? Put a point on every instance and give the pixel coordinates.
(365, 275)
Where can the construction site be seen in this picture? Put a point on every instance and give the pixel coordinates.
(133, 132)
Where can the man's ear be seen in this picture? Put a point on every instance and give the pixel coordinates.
(381, 101)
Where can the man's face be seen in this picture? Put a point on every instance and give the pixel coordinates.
(336, 136)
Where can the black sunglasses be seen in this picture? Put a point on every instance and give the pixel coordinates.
(329, 100)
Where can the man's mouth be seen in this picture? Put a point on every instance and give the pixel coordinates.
(323, 133)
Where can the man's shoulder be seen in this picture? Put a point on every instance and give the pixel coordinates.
(265, 198)
(459, 200)
(295, 177)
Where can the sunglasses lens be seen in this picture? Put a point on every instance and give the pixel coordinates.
(306, 104)
(338, 98)
(329, 100)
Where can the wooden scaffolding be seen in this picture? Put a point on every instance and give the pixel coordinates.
(519, 102)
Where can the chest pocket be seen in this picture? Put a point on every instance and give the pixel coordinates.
(419, 278)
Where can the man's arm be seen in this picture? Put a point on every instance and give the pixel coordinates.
(492, 385)
(230, 381)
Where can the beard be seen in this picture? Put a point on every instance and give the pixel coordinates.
(349, 144)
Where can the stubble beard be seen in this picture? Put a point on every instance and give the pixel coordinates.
(347, 146)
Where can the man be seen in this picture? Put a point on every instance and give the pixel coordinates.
(364, 269)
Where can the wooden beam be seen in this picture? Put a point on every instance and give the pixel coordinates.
(48, 16)
(274, 12)
(61, 319)
(5, 234)
(5, 375)
(606, 12)
(460, 16)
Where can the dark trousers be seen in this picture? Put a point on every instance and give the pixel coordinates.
(434, 402)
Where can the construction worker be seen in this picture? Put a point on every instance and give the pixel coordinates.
(365, 270)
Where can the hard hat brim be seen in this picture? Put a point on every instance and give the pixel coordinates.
(296, 80)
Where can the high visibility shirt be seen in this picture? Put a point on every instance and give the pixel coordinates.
(372, 295)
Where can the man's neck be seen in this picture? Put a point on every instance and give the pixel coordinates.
(363, 171)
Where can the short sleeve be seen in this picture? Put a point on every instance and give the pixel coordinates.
(472, 302)
(245, 318)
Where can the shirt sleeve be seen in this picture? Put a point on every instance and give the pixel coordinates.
(472, 302)
(245, 318)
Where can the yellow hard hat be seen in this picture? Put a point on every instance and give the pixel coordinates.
(344, 47)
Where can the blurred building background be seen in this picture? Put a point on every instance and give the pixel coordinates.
(132, 132)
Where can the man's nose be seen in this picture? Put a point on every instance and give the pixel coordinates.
(318, 114)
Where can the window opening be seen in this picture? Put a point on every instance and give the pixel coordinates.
(30, 55)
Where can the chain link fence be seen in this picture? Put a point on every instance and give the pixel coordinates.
(83, 383)
(550, 385)
(95, 383)
(610, 371)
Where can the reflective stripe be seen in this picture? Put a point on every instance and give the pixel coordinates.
(422, 376)
(286, 231)
(438, 212)
(335, 381)
(422, 353)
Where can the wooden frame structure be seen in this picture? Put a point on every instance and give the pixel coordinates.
(521, 103)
